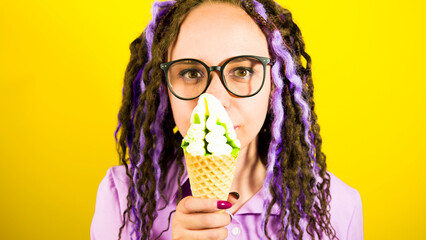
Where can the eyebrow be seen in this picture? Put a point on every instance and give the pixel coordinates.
(188, 62)
(222, 62)
(241, 59)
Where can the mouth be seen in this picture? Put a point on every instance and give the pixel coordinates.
(236, 127)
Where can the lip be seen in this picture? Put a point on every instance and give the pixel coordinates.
(236, 127)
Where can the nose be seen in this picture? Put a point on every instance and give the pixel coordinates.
(217, 89)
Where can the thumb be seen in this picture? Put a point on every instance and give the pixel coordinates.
(233, 197)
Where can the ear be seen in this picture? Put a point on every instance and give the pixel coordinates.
(272, 89)
(271, 93)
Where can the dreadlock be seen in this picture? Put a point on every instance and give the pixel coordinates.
(296, 174)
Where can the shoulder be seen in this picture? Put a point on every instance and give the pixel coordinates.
(345, 209)
(111, 202)
(118, 175)
(115, 182)
(342, 191)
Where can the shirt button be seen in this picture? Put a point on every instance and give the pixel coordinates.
(235, 231)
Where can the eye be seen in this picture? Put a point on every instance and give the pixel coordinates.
(191, 74)
(242, 72)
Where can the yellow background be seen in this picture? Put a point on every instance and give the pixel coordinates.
(61, 71)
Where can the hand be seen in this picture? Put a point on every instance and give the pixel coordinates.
(197, 218)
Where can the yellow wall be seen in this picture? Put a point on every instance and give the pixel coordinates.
(61, 72)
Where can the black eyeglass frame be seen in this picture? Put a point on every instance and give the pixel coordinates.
(264, 60)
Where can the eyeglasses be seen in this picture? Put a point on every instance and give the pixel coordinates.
(242, 76)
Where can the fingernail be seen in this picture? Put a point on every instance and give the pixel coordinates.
(223, 205)
(236, 195)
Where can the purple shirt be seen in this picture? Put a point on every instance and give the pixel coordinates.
(111, 202)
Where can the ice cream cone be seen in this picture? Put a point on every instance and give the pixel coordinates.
(211, 149)
(210, 176)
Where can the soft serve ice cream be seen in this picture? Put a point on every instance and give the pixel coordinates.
(211, 131)
(211, 148)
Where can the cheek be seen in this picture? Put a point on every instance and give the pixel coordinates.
(255, 111)
(263, 102)
(265, 96)
(181, 113)
(262, 106)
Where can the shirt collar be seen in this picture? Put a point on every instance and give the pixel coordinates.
(253, 206)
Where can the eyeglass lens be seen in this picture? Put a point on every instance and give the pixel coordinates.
(242, 76)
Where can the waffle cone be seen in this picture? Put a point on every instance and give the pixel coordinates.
(210, 176)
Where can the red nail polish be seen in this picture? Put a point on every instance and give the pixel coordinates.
(223, 205)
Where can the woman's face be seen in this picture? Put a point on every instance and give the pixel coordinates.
(213, 33)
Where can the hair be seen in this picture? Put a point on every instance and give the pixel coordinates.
(290, 149)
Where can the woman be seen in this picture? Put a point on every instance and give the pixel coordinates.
(281, 187)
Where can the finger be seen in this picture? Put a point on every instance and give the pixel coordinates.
(192, 205)
(233, 197)
(199, 221)
(216, 233)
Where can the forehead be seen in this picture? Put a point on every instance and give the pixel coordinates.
(213, 32)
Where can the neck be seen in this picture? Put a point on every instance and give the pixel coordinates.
(249, 174)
